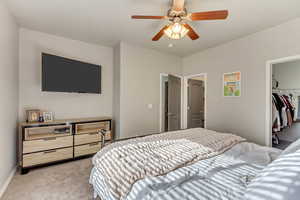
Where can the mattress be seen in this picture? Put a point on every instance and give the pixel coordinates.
(222, 177)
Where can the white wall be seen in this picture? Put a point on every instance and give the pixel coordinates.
(245, 115)
(9, 94)
(287, 74)
(130, 82)
(64, 105)
(140, 70)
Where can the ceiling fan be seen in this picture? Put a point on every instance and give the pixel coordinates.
(178, 17)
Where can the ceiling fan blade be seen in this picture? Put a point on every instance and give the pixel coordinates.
(210, 15)
(147, 17)
(178, 5)
(192, 34)
(160, 33)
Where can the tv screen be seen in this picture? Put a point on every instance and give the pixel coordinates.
(65, 75)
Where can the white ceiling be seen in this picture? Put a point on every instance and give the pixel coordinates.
(106, 22)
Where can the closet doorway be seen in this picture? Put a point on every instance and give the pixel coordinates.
(284, 118)
(195, 101)
(170, 102)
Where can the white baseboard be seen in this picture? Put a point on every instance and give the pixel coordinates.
(6, 183)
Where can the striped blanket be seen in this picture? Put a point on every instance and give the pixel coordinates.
(124, 163)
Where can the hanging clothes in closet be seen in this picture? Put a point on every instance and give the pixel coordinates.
(283, 111)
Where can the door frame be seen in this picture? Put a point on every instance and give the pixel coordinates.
(185, 98)
(161, 76)
(269, 71)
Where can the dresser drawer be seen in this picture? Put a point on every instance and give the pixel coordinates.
(91, 127)
(47, 144)
(47, 156)
(87, 138)
(37, 133)
(87, 149)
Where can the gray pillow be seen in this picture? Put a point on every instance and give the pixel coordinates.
(295, 146)
(280, 180)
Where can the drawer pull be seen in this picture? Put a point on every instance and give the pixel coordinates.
(103, 131)
(93, 133)
(52, 138)
(50, 151)
(94, 144)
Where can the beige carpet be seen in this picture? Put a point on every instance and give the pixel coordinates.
(68, 181)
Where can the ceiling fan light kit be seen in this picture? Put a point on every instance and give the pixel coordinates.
(178, 16)
(176, 31)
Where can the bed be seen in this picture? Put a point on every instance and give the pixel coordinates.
(222, 172)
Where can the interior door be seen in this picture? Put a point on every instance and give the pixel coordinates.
(196, 100)
(174, 103)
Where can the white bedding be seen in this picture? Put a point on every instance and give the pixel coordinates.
(220, 177)
(253, 153)
(280, 180)
(157, 155)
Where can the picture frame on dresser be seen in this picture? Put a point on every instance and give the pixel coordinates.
(45, 143)
(32, 115)
(48, 116)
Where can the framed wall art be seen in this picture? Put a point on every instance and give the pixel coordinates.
(232, 84)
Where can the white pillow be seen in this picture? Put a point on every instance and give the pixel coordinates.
(295, 146)
(280, 180)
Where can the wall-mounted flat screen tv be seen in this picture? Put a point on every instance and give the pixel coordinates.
(66, 75)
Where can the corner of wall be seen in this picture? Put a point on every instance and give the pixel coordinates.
(116, 88)
(9, 74)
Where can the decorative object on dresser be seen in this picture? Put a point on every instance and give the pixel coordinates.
(47, 116)
(60, 140)
(32, 115)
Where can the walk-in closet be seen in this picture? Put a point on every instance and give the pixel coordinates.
(285, 103)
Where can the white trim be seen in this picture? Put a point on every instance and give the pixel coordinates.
(185, 98)
(161, 99)
(268, 126)
(182, 103)
(8, 180)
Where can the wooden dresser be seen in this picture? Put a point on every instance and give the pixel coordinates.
(60, 140)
